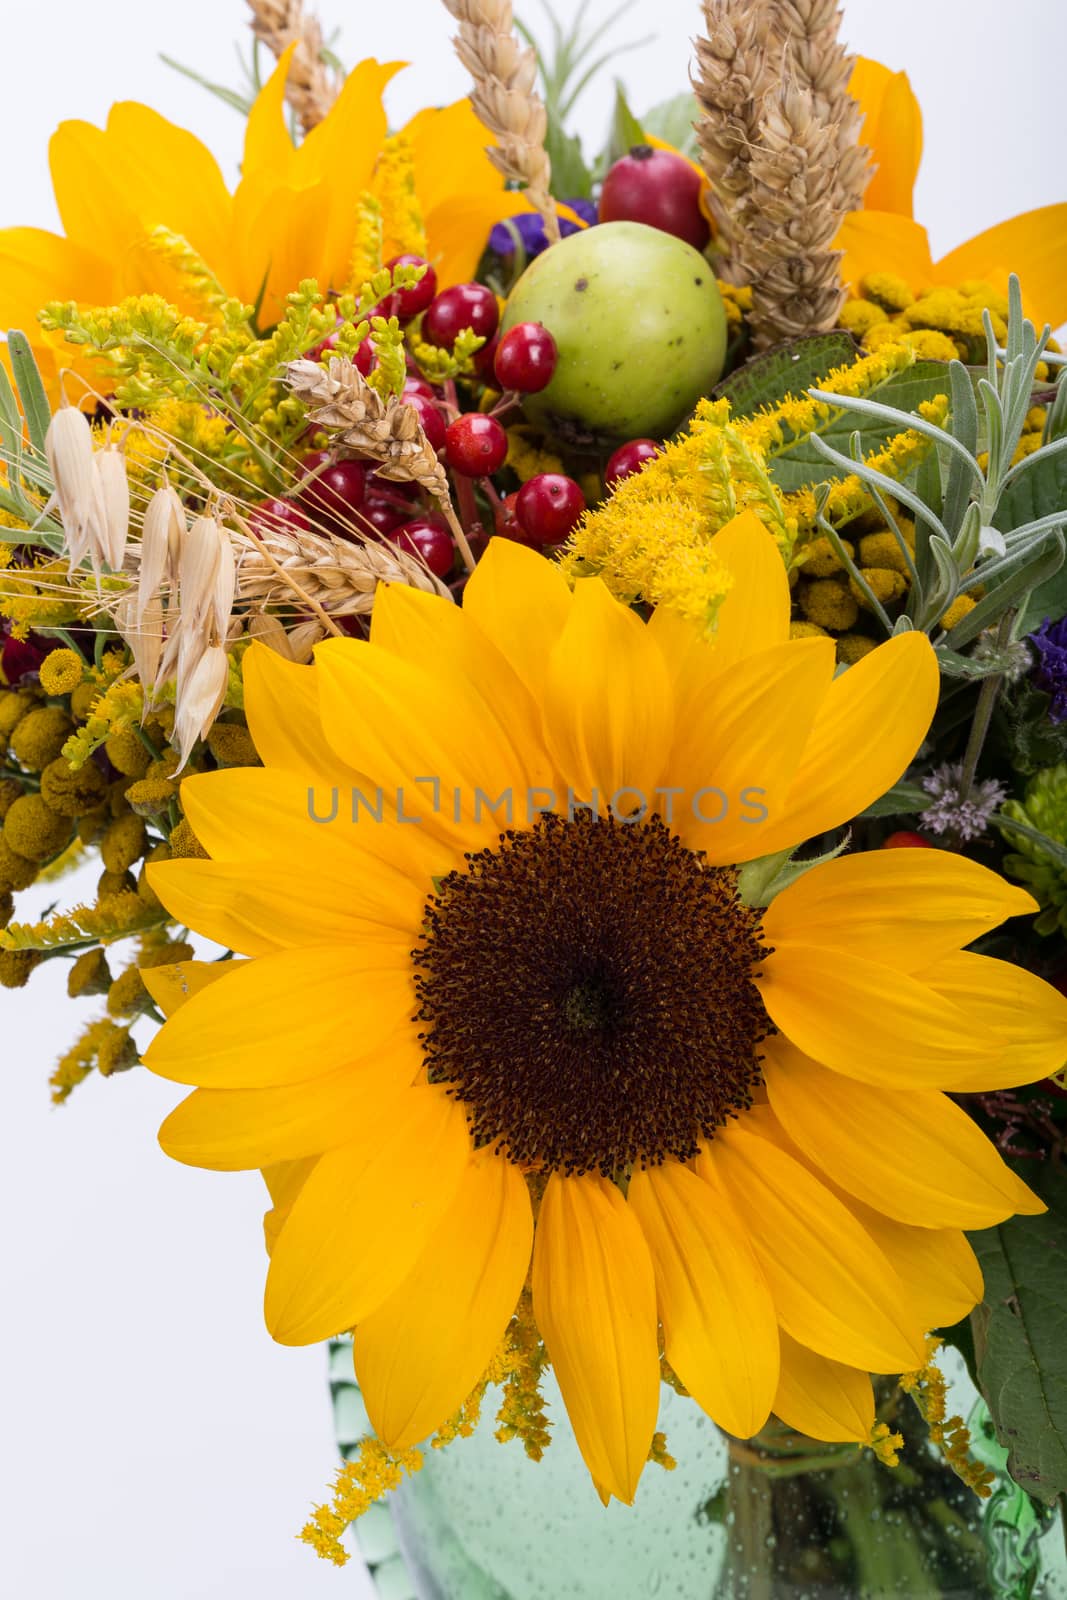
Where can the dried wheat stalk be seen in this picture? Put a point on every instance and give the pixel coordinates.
(779, 142)
(339, 398)
(311, 88)
(505, 72)
(337, 574)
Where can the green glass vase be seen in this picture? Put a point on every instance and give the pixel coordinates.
(779, 1517)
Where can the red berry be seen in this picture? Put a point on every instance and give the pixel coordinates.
(433, 423)
(628, 459)
(658, 188)
(414, 385)
(324, 348)
(276, 516)
(365, 360)
(465, 305)
(477, 445)
(382, 516)
(407, 303)
(382, 488)
(336, 491)
(485, 358)
(548, 506)
(429, 538)
(906, 841)
(526, 358)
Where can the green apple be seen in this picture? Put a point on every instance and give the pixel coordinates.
(640, 327)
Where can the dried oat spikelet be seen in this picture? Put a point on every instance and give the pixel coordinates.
(505, 72)
(339, 398)
(779, 142)
(311, 88)
(341, 575)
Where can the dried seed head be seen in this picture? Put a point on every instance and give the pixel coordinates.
(142, 628)
(265, 627)
(162, 537)
(68, 446)
(303, 639)
(111, 506)
(199, 698)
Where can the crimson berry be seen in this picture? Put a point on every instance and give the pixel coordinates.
(465, 305)
(526, 358)
(628, 459)
(429, 538)
(382, 515)
(477, 445)
(658, 188)
(407, 303)
(381, 488)
(276, 516)
(548, 506)
(413, 385)
(433, 423)
(906, 841)
(365, 359)
(335, 491)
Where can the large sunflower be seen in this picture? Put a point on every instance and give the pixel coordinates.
(569, 1049)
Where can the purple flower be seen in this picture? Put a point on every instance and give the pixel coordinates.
(949, 812)
(1050, 674)
(532, 230)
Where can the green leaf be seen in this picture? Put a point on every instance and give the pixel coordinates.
(35, 405)
(1039, 491)
(571, 178)
(674, 121)
(904, 799)
(799, 465)
(626, 131)
(231, 97)
(1020, 1336)
(791, 369)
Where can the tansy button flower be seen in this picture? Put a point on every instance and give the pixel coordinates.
(565, 1050)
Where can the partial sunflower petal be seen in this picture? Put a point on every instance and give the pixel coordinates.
(1026, 1017)
(286, 1018)
(910, 1153)
(363, 1218)
(883, 241)
(282, 707)
(1034, 245)
(833, 1288)
(172, 985)
(755, 614)
(825, 1002)
(892, 131)
(719, 1328)
(938, 1265)
(902, 908)
(520, 601)
(823, 1398)
(421, 1353)
(595, 1303)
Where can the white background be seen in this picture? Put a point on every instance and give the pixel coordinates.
(156, 1445)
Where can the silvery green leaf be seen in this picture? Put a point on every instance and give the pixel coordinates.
(953, 665)
(771, 874)
(1012, 592)
(968, 540)
(37, 411)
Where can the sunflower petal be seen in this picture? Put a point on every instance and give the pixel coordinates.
(719, 1328)
(520, 601)
(903, 908)
(825, 1002)
(363, 1217)
(171, 986)
(595, 1304)
(1034, 245)
(883, 241)
(285, 1018)
(893, 133)
(421, 1353)
(823, 1398)
(1026, 1015)
(755, 614)
(940, 1269)
(282, 707)
(833, 1288)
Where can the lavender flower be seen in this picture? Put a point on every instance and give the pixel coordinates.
(532, 230)
(950, 813)
(1050, 642)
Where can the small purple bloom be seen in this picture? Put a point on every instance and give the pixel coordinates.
(1050, 674)
(532, 230)
(949, 812)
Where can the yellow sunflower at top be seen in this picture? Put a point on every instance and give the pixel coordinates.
(146, 210)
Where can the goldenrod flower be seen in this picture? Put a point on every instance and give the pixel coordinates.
(143, 202)
(444, 1024)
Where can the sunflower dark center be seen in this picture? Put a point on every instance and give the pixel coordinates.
(586, 990)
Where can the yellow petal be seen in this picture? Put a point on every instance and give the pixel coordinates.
(520, 601)
(941, 1271)
(423, 1351)
(176, 182)
(868, 1021)
(735, 756)
(363, 1218)
(282, 708)
(268, 146)
(171, 986)
(448, 146)
(339, 154)
(1034, 245)
(279, 907)
(595, 1304)
(608, 705)
(285, 1018)
(883, 241)
(719, 1328)
(910, 1153)
(1024, 1017)
(284, 1180)
(822, 1398)
(903, 908)
(755, 614)
(868, 727)
(833, 1288)
(230, 1130)
(893, 133)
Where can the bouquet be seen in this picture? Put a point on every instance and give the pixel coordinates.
(563, 664)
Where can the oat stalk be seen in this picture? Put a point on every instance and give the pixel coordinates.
(312, 87)
(778, 139)
(506, 99)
